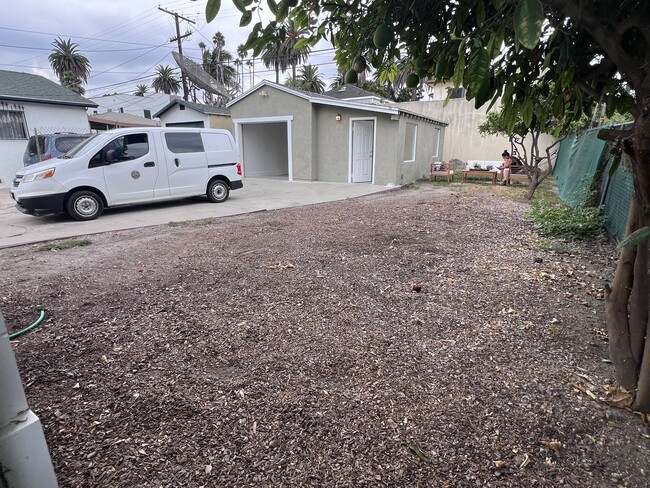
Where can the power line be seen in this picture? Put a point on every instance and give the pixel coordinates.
(76, 37)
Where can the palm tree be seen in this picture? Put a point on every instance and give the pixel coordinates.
(141, 90)
(295, 56)
(242, 52)
(274, 53)
(216, 63)
(280, 51)
(165, 80)
(309, 79)
(66, 59)
(73, 83)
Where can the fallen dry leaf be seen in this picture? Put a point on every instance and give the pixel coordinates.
(555, 446)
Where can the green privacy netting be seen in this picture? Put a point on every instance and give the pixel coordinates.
(576, 168)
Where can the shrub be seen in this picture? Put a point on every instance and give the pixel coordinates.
(552, 217)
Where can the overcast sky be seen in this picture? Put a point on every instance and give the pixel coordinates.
(123, 40)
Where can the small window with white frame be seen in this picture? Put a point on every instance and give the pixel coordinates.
(410, 139)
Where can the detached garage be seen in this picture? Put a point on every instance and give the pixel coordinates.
(294, 135)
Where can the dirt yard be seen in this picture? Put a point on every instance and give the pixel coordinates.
(419, 337)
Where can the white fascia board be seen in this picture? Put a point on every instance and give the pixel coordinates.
(358, 106)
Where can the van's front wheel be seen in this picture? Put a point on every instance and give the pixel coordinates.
(218, 191)
(84, 205)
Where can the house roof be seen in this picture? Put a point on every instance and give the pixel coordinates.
(118, 119)
(350, 91)
(322, 99)
(26, 87)
(199, 107)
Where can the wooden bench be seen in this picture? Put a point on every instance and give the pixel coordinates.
(517, 172)
(441, 168)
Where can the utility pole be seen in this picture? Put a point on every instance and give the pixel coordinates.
(180, 46)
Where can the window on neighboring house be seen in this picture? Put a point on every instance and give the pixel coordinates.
(147, 114)
(457, 92)
(12, 122)
(409, 142)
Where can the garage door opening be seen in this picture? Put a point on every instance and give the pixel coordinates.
(265, 150)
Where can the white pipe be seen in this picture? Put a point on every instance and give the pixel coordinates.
(24, 458)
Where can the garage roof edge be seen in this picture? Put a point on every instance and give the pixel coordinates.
(336, 102)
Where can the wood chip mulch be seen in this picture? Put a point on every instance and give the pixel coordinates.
(419, 337)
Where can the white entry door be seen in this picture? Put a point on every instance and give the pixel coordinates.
(362, 150)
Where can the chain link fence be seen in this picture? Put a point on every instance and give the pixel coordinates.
(50, 129)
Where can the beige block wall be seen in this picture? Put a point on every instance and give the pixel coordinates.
(462, 138)
(222, 122)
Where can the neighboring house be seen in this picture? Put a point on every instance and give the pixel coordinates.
(463, 139)
(124, 103)
(115, 120)
(288, 133)
(31, 104)
(179, 113)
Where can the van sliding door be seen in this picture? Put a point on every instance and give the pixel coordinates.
(187, 165)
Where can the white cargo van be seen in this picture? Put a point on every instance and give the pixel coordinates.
(127, 166)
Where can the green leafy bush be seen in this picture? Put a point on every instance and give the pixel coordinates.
(552, 217)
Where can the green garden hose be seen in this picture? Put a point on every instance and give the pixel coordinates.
(27, 329)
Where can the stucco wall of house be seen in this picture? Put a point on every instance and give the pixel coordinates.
(429, 139)
(44, 119)
(174, 116)
(462, 138)
(332, 150)
(278, 103)
(332, 144)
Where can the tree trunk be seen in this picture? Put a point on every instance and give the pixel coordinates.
(532, 186)
(617, 298)
(639, 302)
(628, 299)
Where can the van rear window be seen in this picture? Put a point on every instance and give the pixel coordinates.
(184, 142)
(216, 142)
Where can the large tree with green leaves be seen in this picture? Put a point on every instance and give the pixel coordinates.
(165, 80)
(576, 51)
(70, 66)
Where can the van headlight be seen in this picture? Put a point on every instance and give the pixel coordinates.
(41, 175)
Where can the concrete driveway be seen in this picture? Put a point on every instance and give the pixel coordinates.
(257, 195)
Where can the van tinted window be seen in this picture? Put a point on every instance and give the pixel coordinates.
(184, 142)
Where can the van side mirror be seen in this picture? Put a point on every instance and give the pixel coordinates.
(110, 156)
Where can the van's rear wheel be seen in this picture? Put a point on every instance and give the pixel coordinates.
(84, 205)
(218, 191)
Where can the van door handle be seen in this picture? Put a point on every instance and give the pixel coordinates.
(177, 162)
(149, 164)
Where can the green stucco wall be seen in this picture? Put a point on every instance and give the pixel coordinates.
(278, 103)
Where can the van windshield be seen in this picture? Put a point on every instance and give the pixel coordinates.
(79, 148)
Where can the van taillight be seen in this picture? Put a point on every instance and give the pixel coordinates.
(48, 156)
(239, 169)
